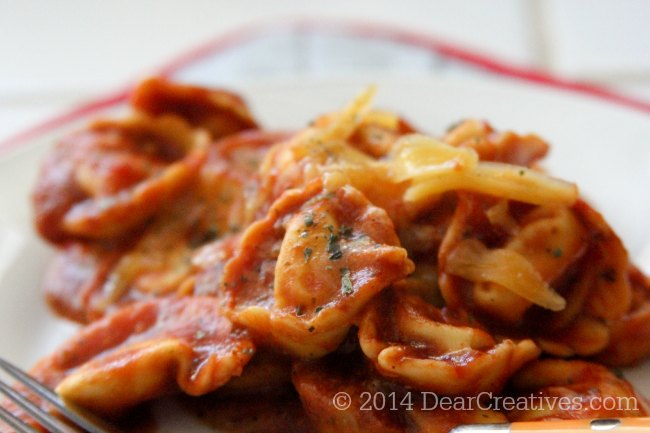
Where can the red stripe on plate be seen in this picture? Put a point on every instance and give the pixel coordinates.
(61, 119)
(452, 51)
(247, 33)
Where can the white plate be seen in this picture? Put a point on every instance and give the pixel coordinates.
(604, 148)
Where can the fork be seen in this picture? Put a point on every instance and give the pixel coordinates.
(77, 417)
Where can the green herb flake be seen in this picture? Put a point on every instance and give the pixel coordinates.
(333, 247)
(318, 310)
(307, 253)
(336, 255)
(557, 252)
(346, 282)
(309, 220)
(300, 310)
(311, 329)
(345, 232)
(522, 172)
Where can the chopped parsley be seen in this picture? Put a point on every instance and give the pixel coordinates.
(309, 220)
(346, 282)
(300, 310)
(307, 253)
(345, 232)
(318, 310)
(336, 255)
(522, 172)
(333, 247)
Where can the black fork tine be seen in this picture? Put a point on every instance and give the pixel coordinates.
(85, 420)
(14, 422)
(44, 418)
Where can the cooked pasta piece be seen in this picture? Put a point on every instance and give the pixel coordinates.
(524, 266)
(378, 132)
(109, 216)
(75, 276)
(230, 179)
(610, 266)
(208, 263)
(599, 295)
(538, 257)
(302, 273)
(434, 167)
(572, 390)
(417, 344)
(218, 111)
(509, 268)
(494, 270)
(630, 335)
(146, 350)
(498, 146)
(105, 181)
(375, 404)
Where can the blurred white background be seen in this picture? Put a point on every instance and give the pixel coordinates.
(55, 54)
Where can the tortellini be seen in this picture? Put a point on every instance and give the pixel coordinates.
(302, 273)
(415, 343)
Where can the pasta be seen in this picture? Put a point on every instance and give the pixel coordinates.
(208, 257)
(433, 352)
